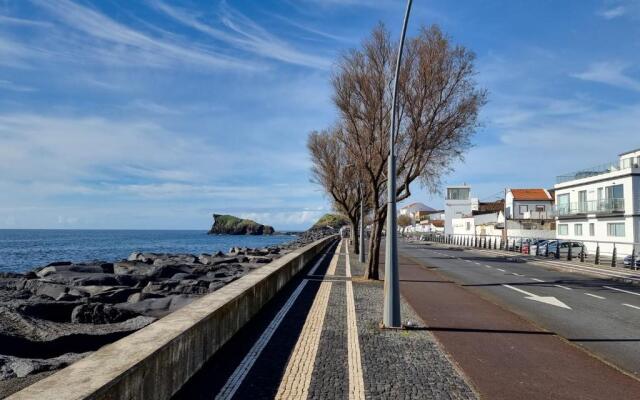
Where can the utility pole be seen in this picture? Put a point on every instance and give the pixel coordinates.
(362, 233)
(391, 314)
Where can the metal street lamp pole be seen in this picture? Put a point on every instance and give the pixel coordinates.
(361, 252)
(391, 314)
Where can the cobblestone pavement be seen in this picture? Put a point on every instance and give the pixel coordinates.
(314, 341)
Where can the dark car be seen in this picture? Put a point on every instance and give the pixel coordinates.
(576, 248)
(627, 261)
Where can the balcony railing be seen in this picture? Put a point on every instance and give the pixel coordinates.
(597, 170)
(547, 214)
(591, 207)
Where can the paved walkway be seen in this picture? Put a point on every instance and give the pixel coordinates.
(319, 339)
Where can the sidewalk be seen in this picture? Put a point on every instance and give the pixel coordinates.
(319, 339)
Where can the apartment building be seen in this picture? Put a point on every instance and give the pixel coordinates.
(601, 205)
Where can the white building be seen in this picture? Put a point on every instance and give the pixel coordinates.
(530, 213)
(601, 205)
(458, 204)
(414, 210)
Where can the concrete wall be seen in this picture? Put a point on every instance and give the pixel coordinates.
(156, 361)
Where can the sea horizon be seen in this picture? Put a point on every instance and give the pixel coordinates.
(22, 250)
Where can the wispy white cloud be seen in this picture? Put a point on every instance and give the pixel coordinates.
(8, 85)
(244, 33)
(116, 42)
(614, 12)
(610, 73)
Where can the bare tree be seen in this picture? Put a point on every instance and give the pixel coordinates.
(337, 174)
(438, 107)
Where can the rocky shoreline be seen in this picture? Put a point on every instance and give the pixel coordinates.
(59, 313)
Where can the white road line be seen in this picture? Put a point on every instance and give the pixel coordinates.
(595, 295)
(477, 263)
(354, 360)
(499, 269)
(517, 274)
(236, 379)
(297, 376)
(621, 290)
(563, 287)
(488, 266)
(537, 280)
(630, 305)
(318, 263)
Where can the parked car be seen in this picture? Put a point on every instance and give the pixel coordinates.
(576, 248)
(539, 243)
(627, 261)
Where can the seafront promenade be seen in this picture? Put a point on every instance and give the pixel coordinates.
(320, 339)
(477, 324)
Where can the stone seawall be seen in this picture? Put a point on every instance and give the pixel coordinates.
(156, 361)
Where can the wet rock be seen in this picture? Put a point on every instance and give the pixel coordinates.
(113, 296)
(45, 288)
(96, 313)
(132, 268)
(15, 367)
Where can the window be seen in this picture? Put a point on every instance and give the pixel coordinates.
(540, 208)
(563, 229)
(615, 192)
(523, 209)
(468, 223)
(615, 229)
(563, 203)
(577, 229)
(592, 229)
(627, 162)
(458, 193)
(582, 201)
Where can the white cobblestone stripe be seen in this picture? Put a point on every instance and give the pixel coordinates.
(356, 380)
(236, 379)
(297, 376)
(334, 260)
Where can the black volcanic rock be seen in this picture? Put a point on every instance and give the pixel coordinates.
(230, 225)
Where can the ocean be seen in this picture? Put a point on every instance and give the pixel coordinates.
(24, 249)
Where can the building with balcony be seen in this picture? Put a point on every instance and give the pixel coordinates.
(530, 213)
(601, 204)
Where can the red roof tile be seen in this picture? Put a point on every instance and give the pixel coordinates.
(530, 194)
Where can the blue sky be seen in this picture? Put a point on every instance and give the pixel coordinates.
(152, 114)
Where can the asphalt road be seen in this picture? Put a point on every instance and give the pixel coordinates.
(600, 315)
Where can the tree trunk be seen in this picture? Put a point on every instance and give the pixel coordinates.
(373, 263)
(355, 235)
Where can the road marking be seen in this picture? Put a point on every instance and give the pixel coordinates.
(236, 379)
(500, 269)
(356, 380)
(537, 280)
(621, 290)
(334, 260)
(488, 266)
(630, 305)
(595, 295)
(542, 299)
(517, 274)
(318, 263)
(563, 287)
(475, 262)
(297, 376)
